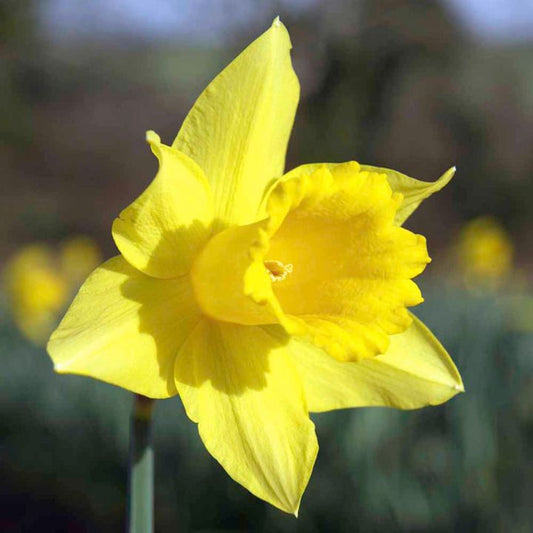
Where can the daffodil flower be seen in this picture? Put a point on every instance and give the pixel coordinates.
(484, 253)
(259, 296)
(40, 280)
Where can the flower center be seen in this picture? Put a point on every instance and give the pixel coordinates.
(335, 229)
(277, 271)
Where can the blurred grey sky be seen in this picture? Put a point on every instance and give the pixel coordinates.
(199, 20)
(212, 20)
(501, 20)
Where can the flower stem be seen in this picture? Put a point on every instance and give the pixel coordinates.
(141, 468)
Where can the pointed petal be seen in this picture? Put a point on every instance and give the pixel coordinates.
(239, 127)
(413, 191)
(414, 372)
(161, 232)
(242, 388)
(125, 328)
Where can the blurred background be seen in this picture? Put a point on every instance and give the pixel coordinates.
(414, 86)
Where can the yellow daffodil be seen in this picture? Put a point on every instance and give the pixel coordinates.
(40, 280)
(36, 291)
(485, 252)
(259, 297)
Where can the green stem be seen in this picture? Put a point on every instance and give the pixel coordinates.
(141, 468)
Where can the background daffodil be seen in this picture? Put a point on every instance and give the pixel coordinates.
(40, 280)
(256, 296)
(484, 252)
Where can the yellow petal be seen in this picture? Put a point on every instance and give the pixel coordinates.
(126, 328)
(243, 389)
(350, 267)
(239, 127)
(161, 232)
(413, 191)
(414, 372)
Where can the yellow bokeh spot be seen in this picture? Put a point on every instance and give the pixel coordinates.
(485, 252)
(79, 256)
(40, 280)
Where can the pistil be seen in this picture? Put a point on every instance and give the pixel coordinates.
(277, 270)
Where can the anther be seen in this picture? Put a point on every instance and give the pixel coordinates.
(277, 270)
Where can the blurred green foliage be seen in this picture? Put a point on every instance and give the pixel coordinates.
(463, 466)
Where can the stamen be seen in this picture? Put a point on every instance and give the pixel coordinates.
(277, 270)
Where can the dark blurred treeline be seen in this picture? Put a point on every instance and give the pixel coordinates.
(390, 82)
